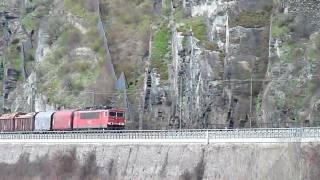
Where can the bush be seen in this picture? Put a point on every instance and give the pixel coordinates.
(97, 45)
(55, 27)
(76, 7)
(81, 66)
(30, 22)
(70, 38)
(198, 26)
(159, 50)
(301, 27)
(210, 46)
(251, 19)
(15, 41)
(284, 20)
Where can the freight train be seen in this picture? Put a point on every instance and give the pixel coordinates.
(66, 120)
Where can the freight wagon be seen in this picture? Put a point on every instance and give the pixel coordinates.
(24, 122)
(7, 122)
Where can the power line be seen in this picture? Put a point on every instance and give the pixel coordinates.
(267, 80)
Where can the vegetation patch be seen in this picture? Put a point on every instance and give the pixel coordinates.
(37, 10)
(30, 22)
(280, 25)
(71, 38)
(64, 79)
(199, 30)
(66, 74)
(76, 7)
(13, 56)
(197, 25)
(251, 19)
(293, 51)
(127, 24)
(56, 27)
(159, 50)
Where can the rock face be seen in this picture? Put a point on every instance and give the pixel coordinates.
(211, 77)
(292, 94)
(259, 69)
(219, 161)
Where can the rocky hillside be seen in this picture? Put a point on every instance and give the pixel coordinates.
(170, 63)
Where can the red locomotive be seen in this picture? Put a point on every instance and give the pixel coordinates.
(98, 119)
(66, 120)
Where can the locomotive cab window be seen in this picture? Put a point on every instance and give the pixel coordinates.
(112, 114)
(120, 114)
(90, 115)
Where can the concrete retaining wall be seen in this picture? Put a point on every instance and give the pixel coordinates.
(166, 161)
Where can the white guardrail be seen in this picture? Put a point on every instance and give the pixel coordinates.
(277, 133)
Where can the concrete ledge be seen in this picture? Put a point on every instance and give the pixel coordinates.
(157, 141)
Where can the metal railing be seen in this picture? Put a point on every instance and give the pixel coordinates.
(169, 134)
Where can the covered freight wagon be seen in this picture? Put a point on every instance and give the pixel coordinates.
(24, 122)
(43, 121)
(62, 120)
(7, 121)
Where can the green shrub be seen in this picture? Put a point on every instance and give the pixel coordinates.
(40, 11)
(283, 19)
(55, 28)
(97, 45)
(30, 22)
(70, 38)
(76, 7)
(280, 25)
(198, 26)
(210, 46)
(159, 50)
(278, 31)
(81, 66)
(15, 41)
(251, 19)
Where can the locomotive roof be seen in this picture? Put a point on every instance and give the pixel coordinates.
(101, 110)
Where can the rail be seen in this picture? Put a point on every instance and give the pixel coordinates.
(168, 134)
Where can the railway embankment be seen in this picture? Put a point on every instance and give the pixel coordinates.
(294, 160)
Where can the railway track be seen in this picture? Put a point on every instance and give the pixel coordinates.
(196, 134)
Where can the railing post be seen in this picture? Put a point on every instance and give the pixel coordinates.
(207, 136)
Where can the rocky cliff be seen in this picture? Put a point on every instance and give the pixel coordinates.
(244, 63)
(183, 63)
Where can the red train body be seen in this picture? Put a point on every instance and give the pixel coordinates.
(99, 119)
(65, 120)
(62, 120)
